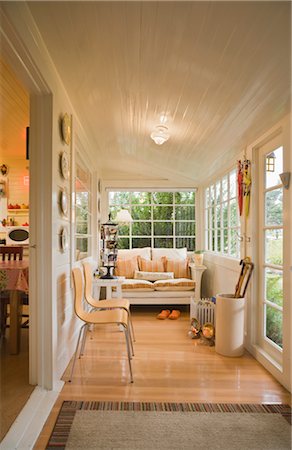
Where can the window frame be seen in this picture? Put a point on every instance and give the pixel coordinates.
(152, 236)
(219, 232)
(79, 163)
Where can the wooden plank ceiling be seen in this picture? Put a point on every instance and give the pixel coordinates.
(14, 115)
(220, 71)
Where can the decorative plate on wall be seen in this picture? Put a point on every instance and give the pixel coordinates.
(99, 186)
(64, 201)
(64, 239)
(66, 128)
(64, 165)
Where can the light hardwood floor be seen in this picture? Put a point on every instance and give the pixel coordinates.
(15, 389)
(168, 366)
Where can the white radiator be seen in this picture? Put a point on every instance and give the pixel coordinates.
(203, 310)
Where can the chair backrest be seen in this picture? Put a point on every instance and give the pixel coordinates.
(88, 280)
(78, 295)
(11, 253)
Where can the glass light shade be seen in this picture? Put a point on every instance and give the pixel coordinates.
(160, 135)
(124, 216)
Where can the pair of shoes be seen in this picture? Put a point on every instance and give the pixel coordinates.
(166, 314)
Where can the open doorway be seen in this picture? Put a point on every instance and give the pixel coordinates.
(14, 231)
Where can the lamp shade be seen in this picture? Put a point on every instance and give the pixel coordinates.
(124, 216)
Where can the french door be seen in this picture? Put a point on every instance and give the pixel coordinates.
(271, 248)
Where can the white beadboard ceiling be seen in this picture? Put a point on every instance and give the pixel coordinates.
(14, 115)
(219, 70)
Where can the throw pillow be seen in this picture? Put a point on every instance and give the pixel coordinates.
(156, 265)
(152, 276)
(180, 267)
(171, 253)
(126, 267)
(144, 252)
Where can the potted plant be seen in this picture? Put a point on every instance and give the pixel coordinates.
(199, 257)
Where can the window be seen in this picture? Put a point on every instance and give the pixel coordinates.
(82, 211)
(160, 218)
(222, 225)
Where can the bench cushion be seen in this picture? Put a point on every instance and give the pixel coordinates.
(138, 286)
(177, 284)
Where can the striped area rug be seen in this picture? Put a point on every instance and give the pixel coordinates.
(61, 431)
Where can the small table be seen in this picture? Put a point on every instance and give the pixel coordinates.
(197, 272)
(109, 284)
(16, 281)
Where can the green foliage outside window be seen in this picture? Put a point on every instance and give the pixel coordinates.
(160, 219)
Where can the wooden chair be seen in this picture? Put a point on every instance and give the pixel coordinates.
(13, 253)
(101, 317)
(117, 303)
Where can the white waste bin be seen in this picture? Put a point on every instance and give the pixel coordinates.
(229, 325)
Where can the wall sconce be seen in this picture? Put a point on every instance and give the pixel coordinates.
(285, 178)
(270, 162)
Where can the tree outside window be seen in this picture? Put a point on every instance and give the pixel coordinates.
(160, 219)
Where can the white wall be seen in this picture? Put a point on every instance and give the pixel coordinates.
(221, 276)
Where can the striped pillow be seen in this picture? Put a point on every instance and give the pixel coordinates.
(180, 267)
(126, 267)
(156, 265)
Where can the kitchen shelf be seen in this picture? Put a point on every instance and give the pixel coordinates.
(19, 211)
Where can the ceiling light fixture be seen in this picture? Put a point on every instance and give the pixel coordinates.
(160, 134)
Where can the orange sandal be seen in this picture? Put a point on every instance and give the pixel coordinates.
(164, 314)
(174, 314)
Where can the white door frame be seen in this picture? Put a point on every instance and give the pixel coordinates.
(268, 346)
(282, 374)
(40, 274)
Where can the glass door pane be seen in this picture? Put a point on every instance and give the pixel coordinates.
(271, 249)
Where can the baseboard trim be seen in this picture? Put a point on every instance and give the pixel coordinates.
(29, 423)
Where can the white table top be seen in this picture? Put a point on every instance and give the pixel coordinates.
(108, 282)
